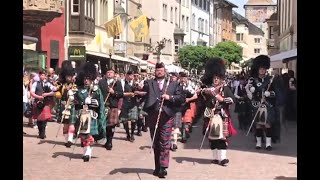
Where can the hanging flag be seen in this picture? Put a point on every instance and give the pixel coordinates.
(98, 39)
(114, 27)
(140, 27)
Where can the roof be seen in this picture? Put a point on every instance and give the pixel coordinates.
(253, 29)
(228, 3)
(260, 2)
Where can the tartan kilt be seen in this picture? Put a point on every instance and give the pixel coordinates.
(141, 111)
(188, 116)
(93, 126)
(177, 120)
(129, 115)
(43, 114)
(113, 117)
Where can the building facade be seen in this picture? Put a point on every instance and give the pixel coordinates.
(226, 24)
(286, 29)
(257, 11)
(200, 12)
(249, 37)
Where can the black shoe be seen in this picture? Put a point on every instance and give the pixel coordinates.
(86, 158)
(128, 137)
(145, 129)
(174, 147)
(224, 162)
(132, 138)
(258, 147)
(162, 173)
(42, 136)
(215, 161)
(108, 146)
(269, 148)
(156, 172)
(69, 144)
(139, 133)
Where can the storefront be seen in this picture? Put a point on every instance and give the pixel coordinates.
(32, 60)
(284, 61)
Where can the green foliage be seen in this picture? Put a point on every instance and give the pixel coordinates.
(194, 57)
(229, 51)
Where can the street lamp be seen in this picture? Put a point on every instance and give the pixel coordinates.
(109, 63)
(157, 49)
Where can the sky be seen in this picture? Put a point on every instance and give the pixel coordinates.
(240, 4)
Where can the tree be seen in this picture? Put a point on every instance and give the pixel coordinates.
(228, 50)
(194, 57)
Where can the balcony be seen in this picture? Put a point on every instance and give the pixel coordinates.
(37, 13)
(271, 43)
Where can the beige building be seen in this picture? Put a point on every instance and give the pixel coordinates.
(165, 24)
(286, 43)
(249, 37)
(257, 11)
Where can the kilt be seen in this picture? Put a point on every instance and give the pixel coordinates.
(177, 120)
(260, 118)
(113, 117)
(188, 116)
(43, 114)
(129, 115)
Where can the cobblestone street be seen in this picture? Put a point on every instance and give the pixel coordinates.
(132, 161)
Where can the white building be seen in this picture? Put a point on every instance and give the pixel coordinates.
(249, 37)
(166, 19)
(200, 12)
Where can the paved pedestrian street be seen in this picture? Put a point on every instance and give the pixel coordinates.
(133, 161)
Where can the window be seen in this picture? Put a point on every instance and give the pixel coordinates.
(176, 17)
(200, 3)
(257, 51)
(117, 37)
(187, 24)
(103, 12)
(92, 8)
(256, 40)
(96, 13)
(239, 36)
(193, 21)
(176, 45)
(183, 2)
(208, 6)
(271, 33)
(85, 7)
(205, 5)
(202, 25)
(171, 15)
(206, 27)
(75, 4)
(164, 12)
(89, 8)
(199, 24)
(196, 2)
(182, 24)
(187, 3)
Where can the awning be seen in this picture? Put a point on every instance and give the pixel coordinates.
(154, 62)
(284, 55)
(29, 40)
(115, 57)
(140, 61)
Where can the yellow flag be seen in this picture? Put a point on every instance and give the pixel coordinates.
(98, 39)
(140, 27)
(114, 27)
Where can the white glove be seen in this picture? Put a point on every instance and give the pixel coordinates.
(94, 103)
(252, 89)
(266, 93)
(70, 93)
(71, 98)
(228, 100)
(87, 100)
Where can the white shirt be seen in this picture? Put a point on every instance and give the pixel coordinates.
(25, 94)
(34, 85)
(160, 83)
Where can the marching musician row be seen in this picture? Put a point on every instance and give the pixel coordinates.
(91, 109)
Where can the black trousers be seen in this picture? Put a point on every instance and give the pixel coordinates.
(42, 128)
